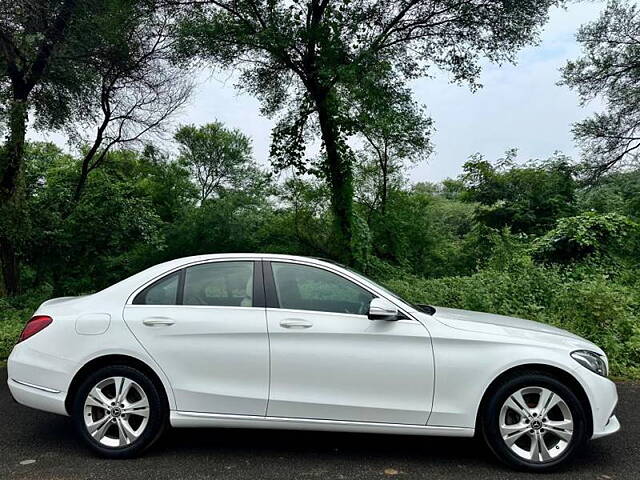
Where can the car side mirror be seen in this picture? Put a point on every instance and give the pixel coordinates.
(381, 309)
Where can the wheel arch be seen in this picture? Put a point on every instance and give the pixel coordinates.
(109, 360)
(558, 373)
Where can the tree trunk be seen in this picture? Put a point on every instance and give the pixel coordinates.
(13, 151)
(340, 176)
(10, 267)
(385, 183)
(11, 193)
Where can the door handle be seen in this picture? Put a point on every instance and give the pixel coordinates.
(295, 323)
(155, 321)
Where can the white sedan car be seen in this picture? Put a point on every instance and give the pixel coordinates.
(273, 341)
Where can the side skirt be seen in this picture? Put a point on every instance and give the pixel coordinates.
(198, 420)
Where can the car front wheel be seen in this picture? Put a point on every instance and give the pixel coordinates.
(118, 412)
(534, 422)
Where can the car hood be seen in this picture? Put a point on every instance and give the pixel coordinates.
(504, 325)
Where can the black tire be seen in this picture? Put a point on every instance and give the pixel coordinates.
(156, 421)
(491, 428)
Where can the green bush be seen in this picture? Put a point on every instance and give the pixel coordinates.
(588, 234)
(14, 313)
(590, 304)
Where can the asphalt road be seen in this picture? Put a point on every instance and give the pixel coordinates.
(37, 445)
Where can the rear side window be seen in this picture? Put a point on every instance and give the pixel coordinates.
(162, 292)
(226, 284)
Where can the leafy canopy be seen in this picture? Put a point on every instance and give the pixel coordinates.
(218, 158)
(316, 64)
(609, 68)
(528, 199)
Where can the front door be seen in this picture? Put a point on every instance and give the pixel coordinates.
(206, 330)
(329, 361)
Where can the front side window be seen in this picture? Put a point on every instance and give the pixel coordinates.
(228, 284)
(301, 287)
(162, 292)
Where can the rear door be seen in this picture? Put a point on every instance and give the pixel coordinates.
(329, 361)
(205, 325)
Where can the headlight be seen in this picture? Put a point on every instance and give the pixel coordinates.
(591, 360)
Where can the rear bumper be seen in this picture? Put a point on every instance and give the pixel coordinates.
(37, 396)
(38, 380)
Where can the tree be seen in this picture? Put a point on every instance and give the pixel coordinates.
(590, 233)
(112, 231)
(139, 87)
(30, 37)
(528, 199)
(609, 68)
(31, 33)
(217, 157)
(395, 134)
(54, 56)
(305, 59)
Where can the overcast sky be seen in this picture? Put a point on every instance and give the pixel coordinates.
(520, 106)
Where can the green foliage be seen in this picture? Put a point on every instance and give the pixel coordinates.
(615, 193)
(590, 233)
(430, 243)
(333, 69)
(609, 70)
(590, 304)
(219, 159)
(14, 313)
(527, 199)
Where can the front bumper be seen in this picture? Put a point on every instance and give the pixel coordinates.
(612, 426)
(603, 397)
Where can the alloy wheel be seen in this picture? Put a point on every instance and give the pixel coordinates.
(536, 424)
(116, 411)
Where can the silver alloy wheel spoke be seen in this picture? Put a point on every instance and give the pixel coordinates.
(517, 403)
(98, 428)
(141, 412)
(116, 402)
(126, 434)
(123, 385)
(544, 451)
(539, 451)
(536, 424)
(141, 407)
(547, 401)
(98, 399)
(511, 435)
(563, 429)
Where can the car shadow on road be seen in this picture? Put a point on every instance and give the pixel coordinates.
(300, 453)
(375, 450)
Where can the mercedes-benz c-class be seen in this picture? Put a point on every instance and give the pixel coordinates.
(284, 342)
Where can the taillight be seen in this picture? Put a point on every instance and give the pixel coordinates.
(33, 326)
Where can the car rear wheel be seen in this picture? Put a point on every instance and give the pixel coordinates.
(118, 412)
(534, 422)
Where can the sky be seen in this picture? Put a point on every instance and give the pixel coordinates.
(520, 106)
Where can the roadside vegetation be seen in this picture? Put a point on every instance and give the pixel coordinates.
(555, 240)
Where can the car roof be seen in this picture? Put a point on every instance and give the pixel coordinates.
(214, 256)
